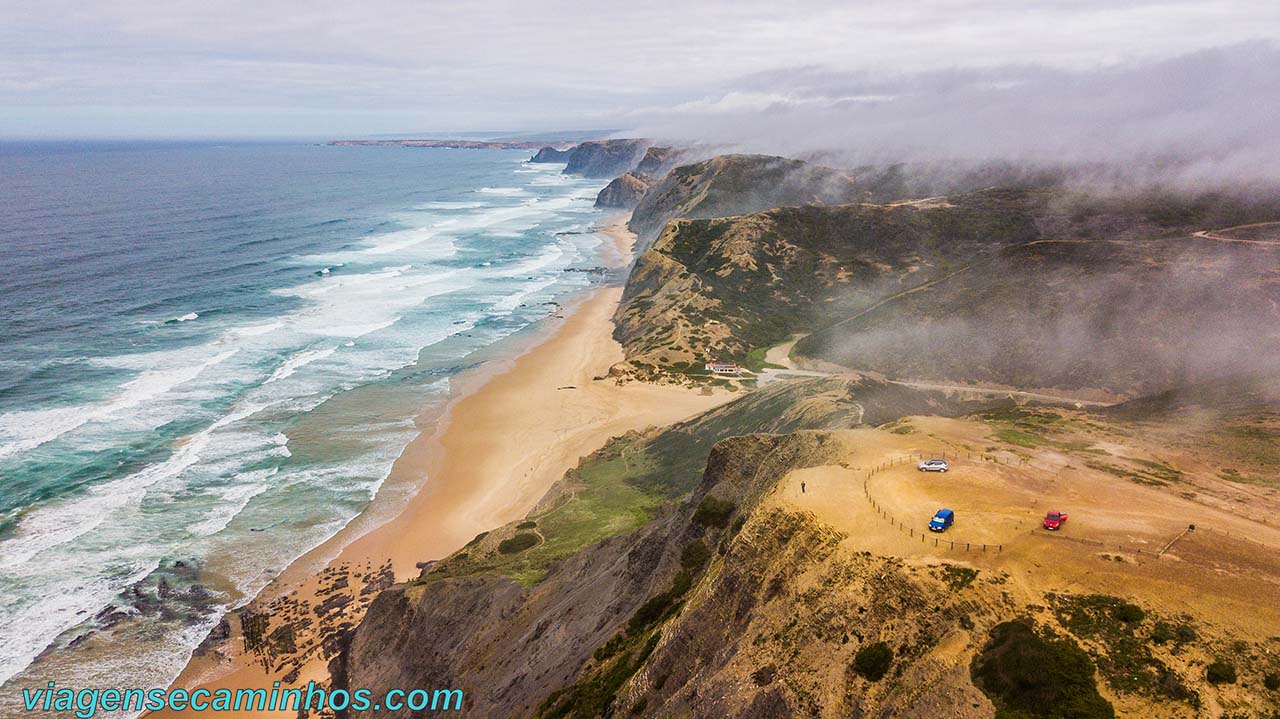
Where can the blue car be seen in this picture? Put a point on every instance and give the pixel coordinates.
(942, 520)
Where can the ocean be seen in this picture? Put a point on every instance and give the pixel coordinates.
(211, 354)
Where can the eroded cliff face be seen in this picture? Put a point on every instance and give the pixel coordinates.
(762, 618)
(506, 646)
(605, 158)
(624, 191)
(509, 647)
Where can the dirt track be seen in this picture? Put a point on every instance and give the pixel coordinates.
(1220, 235)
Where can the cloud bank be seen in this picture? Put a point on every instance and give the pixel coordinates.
(330, 67)
(1203, 115)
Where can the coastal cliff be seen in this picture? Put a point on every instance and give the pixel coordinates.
(551, 154)
(736, 184)
(768, 558)
(1031, 288)
(516, 626)
(783, 586)
(658, 161)
(624, 191)
(605, 158)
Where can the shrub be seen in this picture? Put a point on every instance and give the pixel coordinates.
(872, 661)
(958, 577)
(518, 543)
(764, 675)
(1221, 672)
(527, 524)
(1128, 613)
(610, 648)
(695, 555)
(1026, 675)
(1271, 681)
(713, 512)
(1163, 633)
(650, 612)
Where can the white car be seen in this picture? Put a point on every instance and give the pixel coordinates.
(933, 465)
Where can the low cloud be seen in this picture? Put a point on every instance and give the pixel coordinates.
(1202, 116)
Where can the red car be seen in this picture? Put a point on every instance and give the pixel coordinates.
(1055, 520)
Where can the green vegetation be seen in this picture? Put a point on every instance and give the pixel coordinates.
(1220, 672)
(594, 693)
(755, 361)
(1128, 613)
(1032, 427)
(1271, 681)
(606, 502)
(1164, 632)
(1019, 438)
(713, 512)
(692, 559)
(517, 544)
(957, 577)
(1151, 473)
(872, 662)
(695, 556)
(1125, 658)
(1026, 675)
(624, 484)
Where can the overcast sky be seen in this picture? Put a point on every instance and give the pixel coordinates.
(342, 68)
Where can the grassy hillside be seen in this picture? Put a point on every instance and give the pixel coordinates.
(626, 483)
(1032, 288)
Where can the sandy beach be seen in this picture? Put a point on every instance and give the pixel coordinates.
(511, 430)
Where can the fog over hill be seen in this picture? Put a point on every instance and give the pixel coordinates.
(1205, 116)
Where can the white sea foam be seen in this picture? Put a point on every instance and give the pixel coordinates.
(232, 500)
(26, 430)
(255, 330)
(302, 359)
(549, 256)
(282, 444)
(509, 303)
(187, 317)
(31, 628)
(453, 205)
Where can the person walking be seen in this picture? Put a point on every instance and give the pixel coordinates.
(802, 488)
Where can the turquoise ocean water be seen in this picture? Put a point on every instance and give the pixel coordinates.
(210, 355)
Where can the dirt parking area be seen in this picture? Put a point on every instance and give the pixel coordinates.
(1228, 569)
